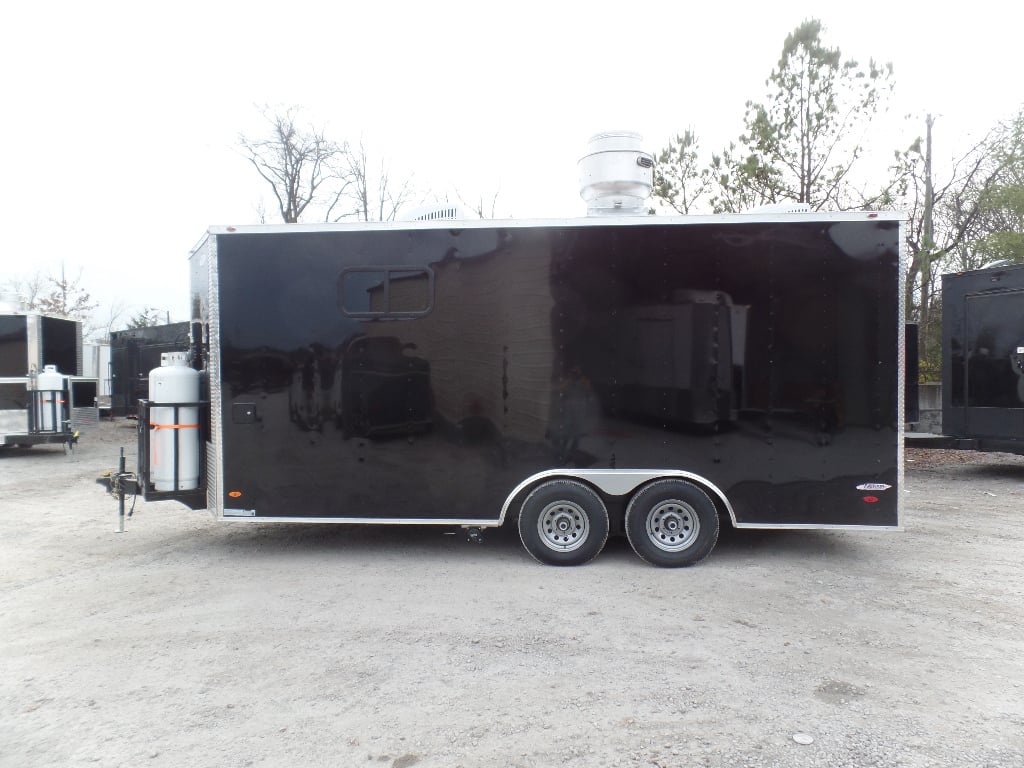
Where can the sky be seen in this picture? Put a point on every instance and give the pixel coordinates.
(121, 119)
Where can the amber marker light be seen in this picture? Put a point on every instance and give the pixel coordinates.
(234, 494)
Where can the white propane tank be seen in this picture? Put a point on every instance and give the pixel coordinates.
(49, 400)
(174, 382)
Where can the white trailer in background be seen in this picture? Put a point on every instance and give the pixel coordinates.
(43, 396)
(96, 365)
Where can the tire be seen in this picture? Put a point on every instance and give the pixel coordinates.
(671, 523)
(563, 522)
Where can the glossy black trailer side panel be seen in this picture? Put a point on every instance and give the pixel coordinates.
(983, 354)
(13, 362)
(422, 374)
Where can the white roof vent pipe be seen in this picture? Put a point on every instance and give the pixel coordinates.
(616, 175)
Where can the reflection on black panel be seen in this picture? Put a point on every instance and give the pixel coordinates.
(13, 346)
(995, 338)
(425, 373)
(60, 345)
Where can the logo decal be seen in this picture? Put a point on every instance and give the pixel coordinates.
(873, 487)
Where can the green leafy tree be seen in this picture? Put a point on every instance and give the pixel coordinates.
(148, 317)
(802, 143)
(998, 231)
(969, 218)
(679, 180)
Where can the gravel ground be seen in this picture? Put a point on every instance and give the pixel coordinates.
(187, 642)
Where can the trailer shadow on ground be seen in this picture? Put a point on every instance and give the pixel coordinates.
(315, 541)
(997, 471)
(20, 453)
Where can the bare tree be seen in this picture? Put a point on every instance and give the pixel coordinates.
(309, 172)
(27, 290)
(301, 165)
(98, 329)
(372, 195)
(64, 296)
(484, 209)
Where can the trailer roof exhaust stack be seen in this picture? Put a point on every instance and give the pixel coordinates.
(616, 174)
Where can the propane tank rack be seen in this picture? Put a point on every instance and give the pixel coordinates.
(49, 415)
(193, 497)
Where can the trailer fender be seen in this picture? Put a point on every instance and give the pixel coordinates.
(622, 483)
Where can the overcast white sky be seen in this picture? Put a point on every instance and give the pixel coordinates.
(120, 119)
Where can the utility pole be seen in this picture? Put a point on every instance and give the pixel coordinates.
(927, 242)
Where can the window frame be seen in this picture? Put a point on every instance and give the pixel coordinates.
(386, 272)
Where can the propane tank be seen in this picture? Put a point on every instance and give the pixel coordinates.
(174, 440)
(48, 397)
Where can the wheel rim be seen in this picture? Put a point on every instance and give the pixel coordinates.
(673, 525)
(563, 526)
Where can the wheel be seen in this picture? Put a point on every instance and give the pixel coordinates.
(671, 523)
(563, 522)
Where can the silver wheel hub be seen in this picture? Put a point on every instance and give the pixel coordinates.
(673, 526)
(563, 526)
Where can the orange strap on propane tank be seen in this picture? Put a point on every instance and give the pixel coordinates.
(156, 458)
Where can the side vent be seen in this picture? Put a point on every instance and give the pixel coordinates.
(212, 479)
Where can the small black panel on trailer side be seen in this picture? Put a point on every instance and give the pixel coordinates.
(983, 357)
(423, 373)
(62, 344)
(14, 353)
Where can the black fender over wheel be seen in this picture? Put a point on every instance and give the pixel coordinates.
(563, 522)
(672, 523)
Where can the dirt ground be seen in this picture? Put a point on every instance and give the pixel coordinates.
(188, 642)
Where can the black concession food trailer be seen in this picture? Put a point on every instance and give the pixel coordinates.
(983, 359)
(638, 375)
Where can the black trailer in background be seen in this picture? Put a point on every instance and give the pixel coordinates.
(983, 359)
(133, 354)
